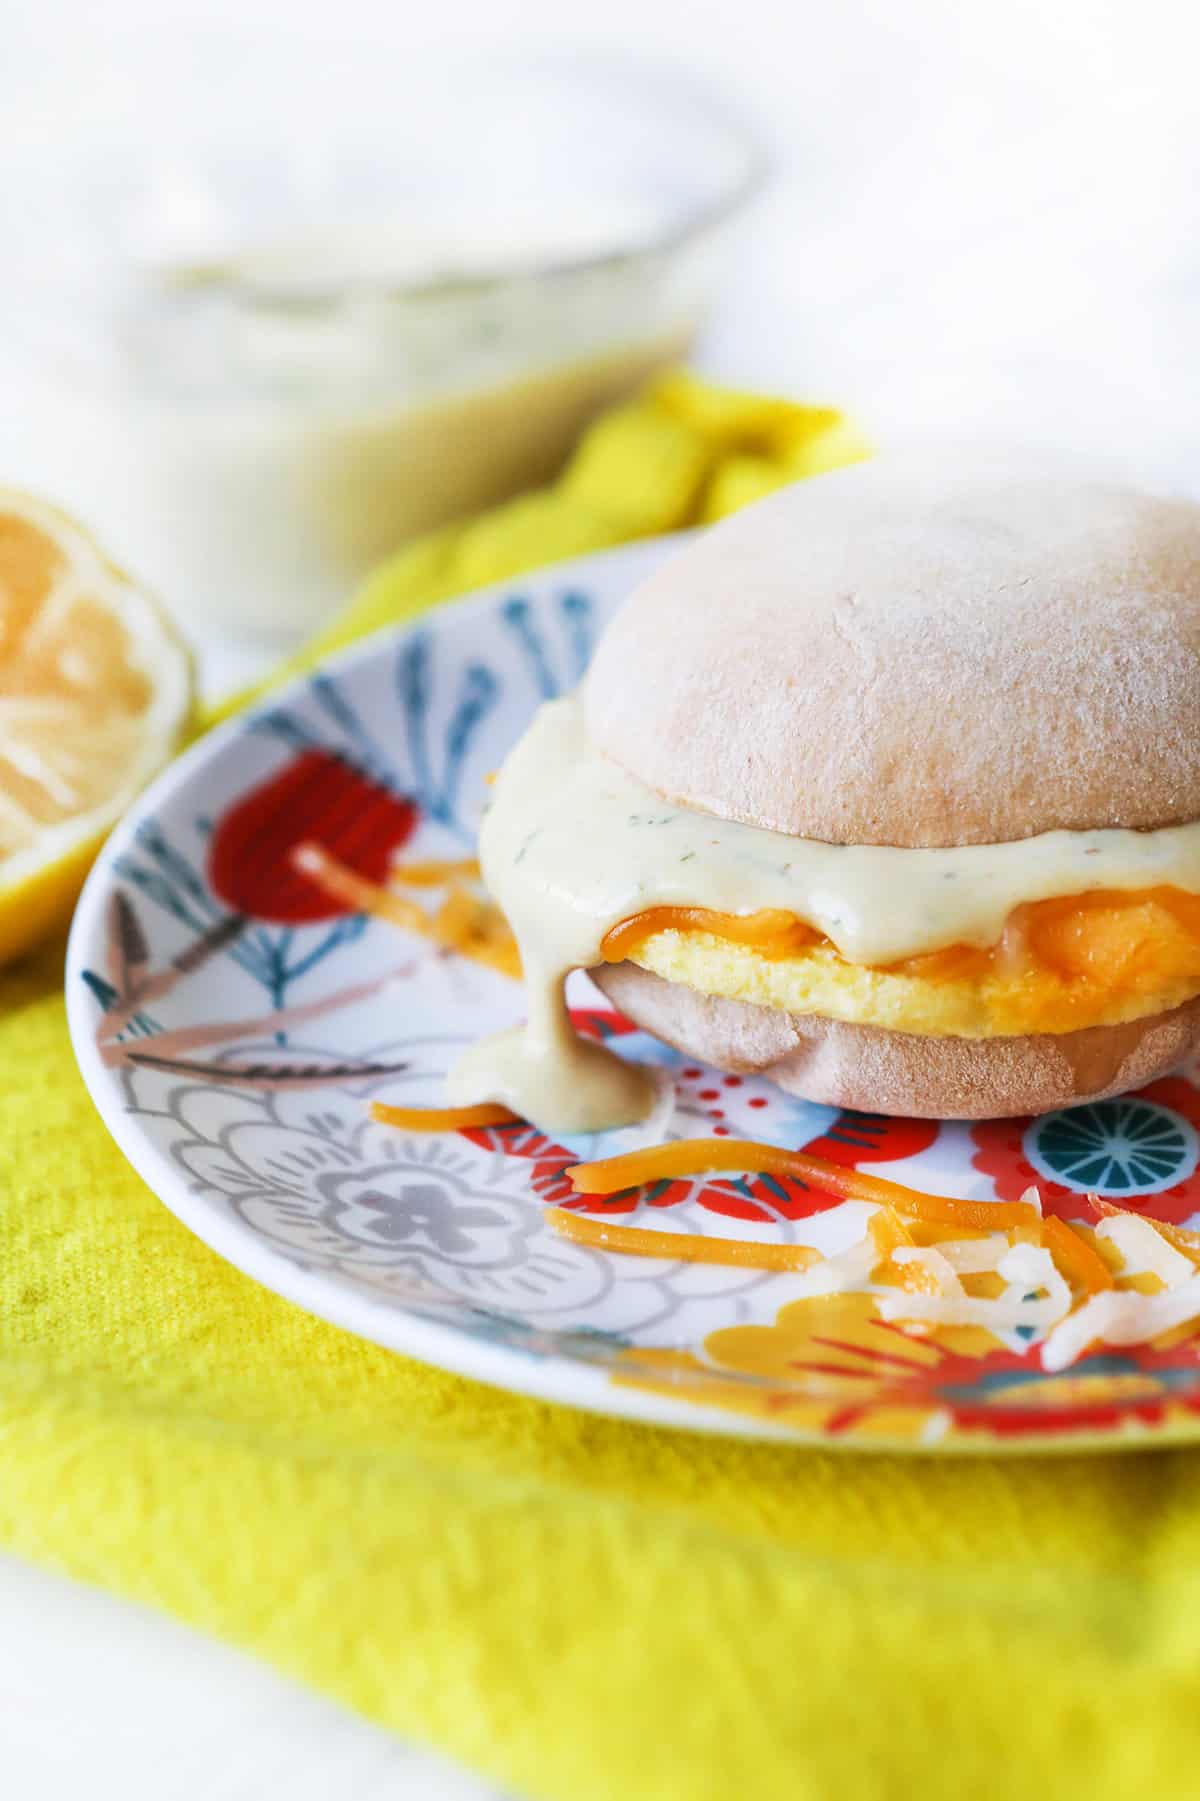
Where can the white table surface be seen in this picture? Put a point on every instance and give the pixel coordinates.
(101, 1698)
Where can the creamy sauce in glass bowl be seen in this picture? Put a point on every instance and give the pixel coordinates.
(274, 350)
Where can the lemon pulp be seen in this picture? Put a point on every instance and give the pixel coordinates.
(95, 692)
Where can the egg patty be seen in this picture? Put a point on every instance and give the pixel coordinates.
(1093, 960)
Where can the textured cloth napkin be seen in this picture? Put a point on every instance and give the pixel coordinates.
(579, 1608)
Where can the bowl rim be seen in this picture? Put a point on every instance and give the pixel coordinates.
(232, 279)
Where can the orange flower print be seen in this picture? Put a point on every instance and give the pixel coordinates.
(830, 1365)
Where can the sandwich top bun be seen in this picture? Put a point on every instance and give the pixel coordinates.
(876, 658)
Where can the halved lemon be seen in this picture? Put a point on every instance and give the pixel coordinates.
(95, 695)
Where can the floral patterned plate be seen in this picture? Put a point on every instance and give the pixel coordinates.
(233, 1021)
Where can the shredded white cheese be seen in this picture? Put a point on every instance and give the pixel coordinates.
(1143, 1250)
(839, 1274)
(1036, 1296)
(929, 1258)
(975, 1256)
(1120, 1318)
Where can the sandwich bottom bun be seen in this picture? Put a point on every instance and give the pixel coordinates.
(871, 1069)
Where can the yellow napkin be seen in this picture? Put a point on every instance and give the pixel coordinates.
(581, 1609)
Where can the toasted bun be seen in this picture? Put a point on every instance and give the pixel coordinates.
(890, 656)
(874, 1070)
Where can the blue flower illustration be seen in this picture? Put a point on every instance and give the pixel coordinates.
(1119, 1147)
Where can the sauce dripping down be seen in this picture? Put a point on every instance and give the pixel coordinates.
(573, 848)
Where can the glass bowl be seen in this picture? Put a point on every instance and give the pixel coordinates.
(284, 340)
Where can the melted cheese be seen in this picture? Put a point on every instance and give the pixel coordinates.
(1095, 960)
(572, 846)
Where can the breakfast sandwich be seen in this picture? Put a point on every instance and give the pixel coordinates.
(887, 788)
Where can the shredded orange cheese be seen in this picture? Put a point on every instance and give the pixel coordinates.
(1075, 1258)
(770, 931)
(699, 1156)
(640, 1241)
(465, 922)
(435, 874)
(893, 1252)
(888, 1231)
(456, 921)
(440, 1119)
(888, 1234)
(344, 885)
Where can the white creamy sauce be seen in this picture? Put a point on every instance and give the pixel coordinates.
(572, 845)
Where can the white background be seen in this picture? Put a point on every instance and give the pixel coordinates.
(989, 211)
(987, 218)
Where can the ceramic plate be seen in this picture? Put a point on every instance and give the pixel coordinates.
(234, 1060)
